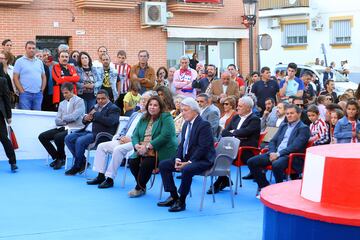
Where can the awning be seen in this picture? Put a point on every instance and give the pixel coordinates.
(208, 33)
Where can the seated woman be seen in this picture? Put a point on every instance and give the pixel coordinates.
(177, 115)
(154, 140)
(347, 129)
(229, 106)
(166, 95)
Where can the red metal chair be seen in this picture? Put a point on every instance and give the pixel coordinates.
(289, 170)
(238, 162)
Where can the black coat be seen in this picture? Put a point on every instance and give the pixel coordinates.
(5, 104)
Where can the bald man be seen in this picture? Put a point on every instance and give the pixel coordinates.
(223, 88)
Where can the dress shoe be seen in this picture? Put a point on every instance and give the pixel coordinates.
(216, 190)
(108, 183)
(96, 181)
(136, 193)
(52, 164)
(82, 169)
(13, 167)
(248, 177)
(178, 206)
(167, 203)
(72, 171)
(59, 163)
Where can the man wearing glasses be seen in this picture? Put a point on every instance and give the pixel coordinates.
(143, 73)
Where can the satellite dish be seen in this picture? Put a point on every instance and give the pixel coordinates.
(292, 2)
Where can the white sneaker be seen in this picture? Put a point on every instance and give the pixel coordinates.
(136, 193)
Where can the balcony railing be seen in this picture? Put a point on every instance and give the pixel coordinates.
(195, 6)
(277, 4)
(107, 4)
(15, 2)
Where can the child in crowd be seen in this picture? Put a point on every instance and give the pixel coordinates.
(131, 99)
(321, 106)
(347, 129)
(318, 127)
(123, 84)
(334, 118)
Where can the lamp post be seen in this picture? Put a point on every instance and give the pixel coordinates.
(250, 21)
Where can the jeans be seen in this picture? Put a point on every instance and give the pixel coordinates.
(89, 103)
(30, 101)
(77, 142)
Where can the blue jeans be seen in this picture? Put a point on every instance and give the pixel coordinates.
(30, 101)
(89, 103)
(77, 142)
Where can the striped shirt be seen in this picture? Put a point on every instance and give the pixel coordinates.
(124, 76)
(321, 130)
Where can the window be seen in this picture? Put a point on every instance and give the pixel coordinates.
(174, 51)
(295, 34)
(341, 32)
(227, 54)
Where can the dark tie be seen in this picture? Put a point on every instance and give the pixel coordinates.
(187, 138)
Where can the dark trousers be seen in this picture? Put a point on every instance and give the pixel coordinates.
(167, 167)
(5, 141)
(58, 136)
(120, 103)
(258, 163)
(141, 169)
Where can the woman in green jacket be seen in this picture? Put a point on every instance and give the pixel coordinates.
(154, 140)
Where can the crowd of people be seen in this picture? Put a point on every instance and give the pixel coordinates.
(175, 115)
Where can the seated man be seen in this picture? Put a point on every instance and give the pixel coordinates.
(195, 155)
(104, 117)
(120, 146)
(209, 112)
(70, 113)
(244, 126)
(291, 137)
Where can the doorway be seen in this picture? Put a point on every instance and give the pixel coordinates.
(51, 43)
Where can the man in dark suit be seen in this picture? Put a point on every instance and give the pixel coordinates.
(195, 155)
(104, 117)
(5, 115)
(291, 137)
(244, 126)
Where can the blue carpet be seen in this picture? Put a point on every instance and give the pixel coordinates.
(40, 203)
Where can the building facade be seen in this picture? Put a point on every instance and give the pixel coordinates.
(211, 28)
(303, 30)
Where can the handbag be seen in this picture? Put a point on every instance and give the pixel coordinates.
(12, 137)
(149, 152)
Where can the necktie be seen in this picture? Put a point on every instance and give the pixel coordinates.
(186, 142)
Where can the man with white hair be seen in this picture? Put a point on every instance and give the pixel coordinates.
(223, 88)
(244, 126)
(184, 77)
(195, 155)
(119, 147)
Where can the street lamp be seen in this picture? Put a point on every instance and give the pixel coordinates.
(250, 21)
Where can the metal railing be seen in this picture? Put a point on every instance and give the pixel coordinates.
(277, 4)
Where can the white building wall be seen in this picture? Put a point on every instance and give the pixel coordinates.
(324, 9)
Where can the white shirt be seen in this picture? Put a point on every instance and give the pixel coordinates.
(225, 87)
(279, 121)
(242, 120)
(187, 129)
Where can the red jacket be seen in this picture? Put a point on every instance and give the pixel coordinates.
(56, 74)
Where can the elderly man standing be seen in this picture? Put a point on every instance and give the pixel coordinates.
(143, 73)
(195, 155)
(30, 79)
(291, 137)
(244, 126)
(104, 117)
(223, 88)
(209, 112)
(184, 77)
(120, 146)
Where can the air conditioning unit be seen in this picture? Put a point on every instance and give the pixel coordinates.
(316, 24)
(153, 13)
(274, 22)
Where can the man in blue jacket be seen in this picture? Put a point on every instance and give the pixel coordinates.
(292, 137)
(104, 117)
